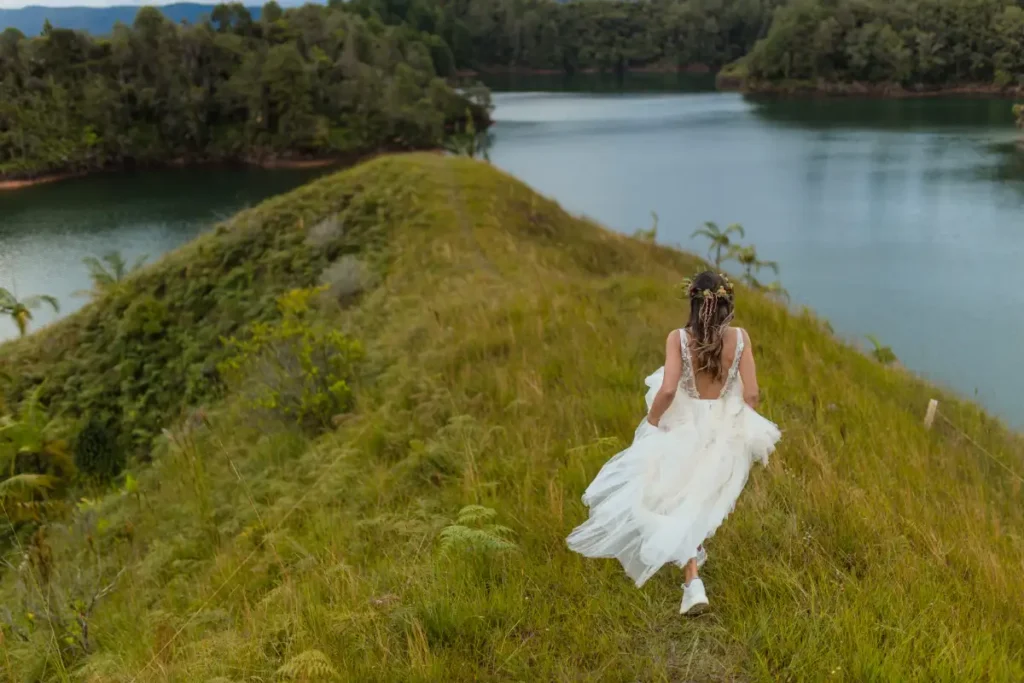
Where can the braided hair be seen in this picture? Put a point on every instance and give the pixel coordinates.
(711, 310)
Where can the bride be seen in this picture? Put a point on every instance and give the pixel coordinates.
(657, 501)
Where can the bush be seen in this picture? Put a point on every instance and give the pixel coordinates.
(297, 368)
(346, 278)
(97, 453)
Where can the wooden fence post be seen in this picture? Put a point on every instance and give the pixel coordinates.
(929, 416)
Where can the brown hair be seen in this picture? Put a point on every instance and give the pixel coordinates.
(711, 311)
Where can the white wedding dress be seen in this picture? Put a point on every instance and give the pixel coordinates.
(656, 501)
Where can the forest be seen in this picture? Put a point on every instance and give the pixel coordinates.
(309, 82)
(926, 42)
(351, 78)
(610, 35)
(932, 43)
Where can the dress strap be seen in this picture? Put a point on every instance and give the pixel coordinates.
(688, 380)
(739, 351)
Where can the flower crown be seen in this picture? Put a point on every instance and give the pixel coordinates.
(725, 290)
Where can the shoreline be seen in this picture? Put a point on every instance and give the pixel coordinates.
(15, 184)
(19, 184)
(893, 91)
(696, 68)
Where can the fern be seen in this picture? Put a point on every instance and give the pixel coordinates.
(25, 485)
(308, 666)
(470, 531)
(473, 514)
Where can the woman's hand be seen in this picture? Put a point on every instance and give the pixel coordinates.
(653, 423)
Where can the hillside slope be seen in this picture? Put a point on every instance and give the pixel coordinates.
(506, 344)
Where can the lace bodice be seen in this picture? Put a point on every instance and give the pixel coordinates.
(689, 381)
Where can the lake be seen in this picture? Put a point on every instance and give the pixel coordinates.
(46, 230)
(894, 218)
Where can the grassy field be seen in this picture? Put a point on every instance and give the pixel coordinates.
(506, 345)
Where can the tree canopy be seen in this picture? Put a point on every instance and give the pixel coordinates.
(311, 81)
(926, 42)
(574, 36)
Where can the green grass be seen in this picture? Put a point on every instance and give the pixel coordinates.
(506, 347)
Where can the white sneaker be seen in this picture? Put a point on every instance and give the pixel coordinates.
(695, 600)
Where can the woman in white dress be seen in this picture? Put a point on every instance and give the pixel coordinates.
(657, 501)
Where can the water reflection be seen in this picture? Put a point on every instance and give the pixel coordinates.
(601, 83)
(911, 114)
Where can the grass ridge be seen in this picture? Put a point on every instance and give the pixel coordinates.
(870, 550)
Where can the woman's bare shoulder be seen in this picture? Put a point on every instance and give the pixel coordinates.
(740, 332)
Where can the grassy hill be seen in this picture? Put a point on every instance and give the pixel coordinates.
(505, 346)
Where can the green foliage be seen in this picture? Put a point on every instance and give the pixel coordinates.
(310, 666)
(721, 245)
(317, 82)
(504, 368)
(20, 310)
(298, 368)
(909, 42)
(109, 272)
(470, 142)
(611, 35)
(98, 454)
(143, 354)
(474, 530)
(651, 234)
(747, 257)
(1018, 115)
(35, 463)
(883, 354)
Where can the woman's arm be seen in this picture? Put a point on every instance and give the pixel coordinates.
(748, 373)
(670, 380)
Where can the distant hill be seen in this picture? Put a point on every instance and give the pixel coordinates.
(101, 20)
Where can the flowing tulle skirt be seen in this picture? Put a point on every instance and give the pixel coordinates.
(656, 501)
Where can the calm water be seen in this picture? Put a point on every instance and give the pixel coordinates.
(894, 218)
(45, 231)
(900, 219)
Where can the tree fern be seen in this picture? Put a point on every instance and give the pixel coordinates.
(20, 311)
(33, 461)
(108, 272)
(883, 354)
(719, 240)
(307, 667)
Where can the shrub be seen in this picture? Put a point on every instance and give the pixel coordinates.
(297, 368)
(346, 278)
(883, 354)
(97, 453)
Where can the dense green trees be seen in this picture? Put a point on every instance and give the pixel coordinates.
(908, 42)
(572, 36)
(313, 81)
(364, 75)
